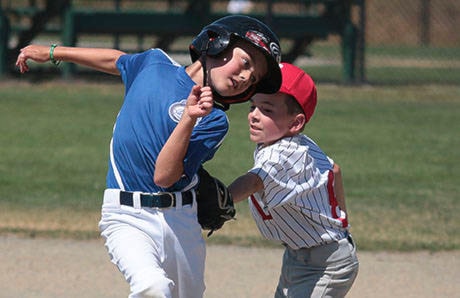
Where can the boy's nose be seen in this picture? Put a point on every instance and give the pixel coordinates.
(245, 75)
(253, 114)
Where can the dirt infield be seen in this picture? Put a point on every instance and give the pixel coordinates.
(39, 268)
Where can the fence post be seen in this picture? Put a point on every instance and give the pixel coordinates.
(349, 52)
(68, 39)
(425, 22)
(4, 38)
(361, 43)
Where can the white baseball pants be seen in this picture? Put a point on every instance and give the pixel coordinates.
(161, 252)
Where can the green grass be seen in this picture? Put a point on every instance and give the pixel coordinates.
(52, 139)
(397, 146)
(395, 65)
(381, 75)
(409, 52)
(326, 49)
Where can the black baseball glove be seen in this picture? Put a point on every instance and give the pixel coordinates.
(215, 204)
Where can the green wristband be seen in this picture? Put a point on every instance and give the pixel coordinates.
(55, 62)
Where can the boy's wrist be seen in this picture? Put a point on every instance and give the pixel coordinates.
(51, 54)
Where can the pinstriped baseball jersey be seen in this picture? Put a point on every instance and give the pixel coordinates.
(297, 206)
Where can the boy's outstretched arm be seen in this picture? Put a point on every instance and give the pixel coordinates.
(100, 59)
(244, 186)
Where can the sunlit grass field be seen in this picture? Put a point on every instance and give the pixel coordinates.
(397, 147)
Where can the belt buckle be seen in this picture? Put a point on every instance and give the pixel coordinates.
(171, 195)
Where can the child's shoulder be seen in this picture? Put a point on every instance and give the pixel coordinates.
(160, 55)
(150, 56)
(298, 142)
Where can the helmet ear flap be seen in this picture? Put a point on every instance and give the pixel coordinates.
(217, 42)
(212, 40)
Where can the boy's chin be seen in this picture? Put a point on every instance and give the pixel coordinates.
(255, 139)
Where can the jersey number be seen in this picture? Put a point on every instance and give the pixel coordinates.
(265, 216)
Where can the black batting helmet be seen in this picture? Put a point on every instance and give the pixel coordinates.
(219, 35)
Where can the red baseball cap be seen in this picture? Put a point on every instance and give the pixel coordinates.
(300, 85)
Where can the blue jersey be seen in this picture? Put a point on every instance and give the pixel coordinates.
(156, 89)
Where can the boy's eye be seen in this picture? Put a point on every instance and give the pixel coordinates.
(247, 65)
(262, 108)
(266, 111)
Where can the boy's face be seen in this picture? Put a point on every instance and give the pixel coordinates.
(237, 69)
(269, 119)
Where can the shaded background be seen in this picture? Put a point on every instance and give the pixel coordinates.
(400, 42)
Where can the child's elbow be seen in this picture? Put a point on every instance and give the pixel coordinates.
(163, 181)
(336, 169)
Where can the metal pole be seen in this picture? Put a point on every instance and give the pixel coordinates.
(4, 39)
(425, 22)
(361, 57)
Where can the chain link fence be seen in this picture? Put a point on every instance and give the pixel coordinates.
(406, 42)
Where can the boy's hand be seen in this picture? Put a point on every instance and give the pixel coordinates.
(37, 53)
(199, 102)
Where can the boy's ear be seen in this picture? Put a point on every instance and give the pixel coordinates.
(297, 123)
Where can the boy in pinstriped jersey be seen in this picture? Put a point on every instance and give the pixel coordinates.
(296, 194)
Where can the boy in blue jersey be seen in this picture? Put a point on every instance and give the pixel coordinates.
(172, 121)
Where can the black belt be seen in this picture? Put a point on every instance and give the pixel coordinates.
(158, 200)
